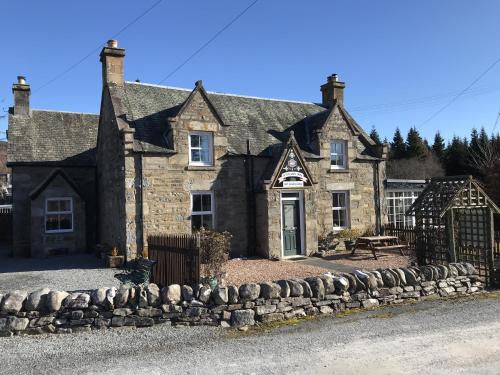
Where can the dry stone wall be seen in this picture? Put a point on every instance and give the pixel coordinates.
(46, 311)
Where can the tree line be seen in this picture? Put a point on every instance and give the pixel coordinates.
(415, 158)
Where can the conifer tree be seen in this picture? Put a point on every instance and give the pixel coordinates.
(398, 147)
(374, 135)
(457, 157)
(415, 147)
(438, 146)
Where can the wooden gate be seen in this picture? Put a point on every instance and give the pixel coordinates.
(177, 259)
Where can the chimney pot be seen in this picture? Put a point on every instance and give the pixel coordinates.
(112, 63)
(333, 91)
(21, 91)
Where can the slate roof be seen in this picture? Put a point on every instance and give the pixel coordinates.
(398, 184)
(265, 122)
(53, 137)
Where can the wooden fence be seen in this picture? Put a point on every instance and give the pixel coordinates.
(177, 259)
(405, 234)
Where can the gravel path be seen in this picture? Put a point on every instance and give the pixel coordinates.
(433, 337)
(76, 272)
(240, 271)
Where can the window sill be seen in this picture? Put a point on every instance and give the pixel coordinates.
(338, 171)
(59, 231)
(200, 168)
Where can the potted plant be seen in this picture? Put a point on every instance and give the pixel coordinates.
(349, 236)
(113, 260)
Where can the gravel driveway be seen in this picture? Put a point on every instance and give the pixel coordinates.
(75, 272)
(432, 337)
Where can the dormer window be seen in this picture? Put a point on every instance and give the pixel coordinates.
(201, 148)
(338, 154)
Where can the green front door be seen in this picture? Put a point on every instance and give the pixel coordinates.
(291, 227)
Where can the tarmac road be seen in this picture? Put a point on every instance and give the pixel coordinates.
(460, 336)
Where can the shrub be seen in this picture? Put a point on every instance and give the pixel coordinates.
(328, 241)
(215, 247)
(349, 234)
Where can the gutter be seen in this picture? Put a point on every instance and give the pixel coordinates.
(378, 215)
(141, 206)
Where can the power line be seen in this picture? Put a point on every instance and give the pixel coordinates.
(431, 101)
(208, 41)
(496, 121)
(73, 66)
(461, 93)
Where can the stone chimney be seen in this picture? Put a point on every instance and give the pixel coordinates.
(21, 91)
(333, 90)
(112, 63)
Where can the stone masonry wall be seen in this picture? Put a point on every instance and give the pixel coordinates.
(110, 179)
(168, 182)
(25, 180)
(46, 311)
(358, 179)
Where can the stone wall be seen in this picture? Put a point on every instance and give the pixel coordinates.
(25, 179)
(44, 244)
(46, 311)
(358, 179)
(110, 178)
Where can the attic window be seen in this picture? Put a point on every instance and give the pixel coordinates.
(201, 148)
(338, 154)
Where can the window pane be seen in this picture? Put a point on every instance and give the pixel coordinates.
(52, 206)
(65, 221)
(196, 203)
(195, 155)
(205, 141)
(206, 202)
(339, 200)
(195, 221)
(52, 222)
(65, 205)
(336, 200)
(342, 200)
(205, 155)
(339, 218)
(195, 140)
(207, 221)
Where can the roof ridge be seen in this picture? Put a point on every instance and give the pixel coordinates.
(226, 94)
(72, 112)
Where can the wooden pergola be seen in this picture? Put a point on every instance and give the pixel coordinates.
(454, 223)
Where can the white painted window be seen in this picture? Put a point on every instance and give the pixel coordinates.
(202, 210)
(200, 148)
(398, 202)
(58, 215)
(340, 209)
(338, 154)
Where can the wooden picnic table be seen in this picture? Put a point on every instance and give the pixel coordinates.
(379, 243)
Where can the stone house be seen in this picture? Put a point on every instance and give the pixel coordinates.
(277, 174)
(52, 157)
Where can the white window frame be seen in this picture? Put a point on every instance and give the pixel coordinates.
(47, 213)
(210, 148)
(344, 154)
(390, 196)
(346, 208)
(200, 213)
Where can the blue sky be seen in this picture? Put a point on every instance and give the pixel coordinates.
(401, 60)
